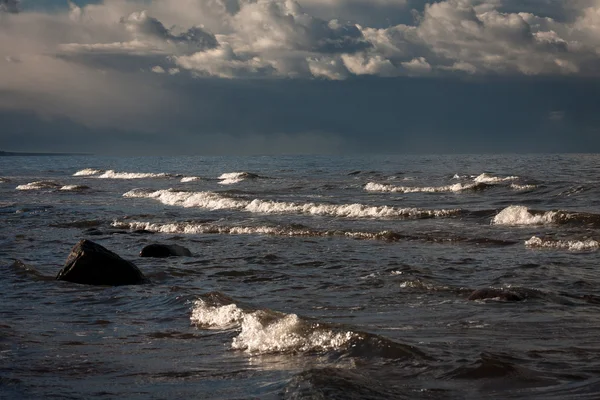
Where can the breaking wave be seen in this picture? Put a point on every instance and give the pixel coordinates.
(196, 228)
(190, 179)
(74, 188)
(520, 215)
(235, 177)
(457, 187)
(487, 178)
(39, 185)
(215, 201)
(111, 174)
(88, 172)
(571, 245)
(265, 331)
(515, 186)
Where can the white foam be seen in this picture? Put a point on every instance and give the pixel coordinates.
(520, 215)
(518, 187)
(216, 317)
(39, 185)
(111, 174)
(264, 332)
(571, 245)
(190, 179)
(203, 228)
(487, 178)
(214, 201)
(230, 178)
(287, 334)
(74, 188)
(88, 172)
(457, 187)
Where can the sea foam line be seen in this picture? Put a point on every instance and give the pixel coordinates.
(112, 174)
(457, 187)
(571, 245)
(487, 178)
(39, 185)
(215, 201)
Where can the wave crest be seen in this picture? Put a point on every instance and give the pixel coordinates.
(457, 187)
(230, 178)
(88, 172)
(215, 201)
(571, 245)
(520, 215)
(487, 178)
(38, 185)
(112, 174)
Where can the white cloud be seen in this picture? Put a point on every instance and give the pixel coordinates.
(87, 62)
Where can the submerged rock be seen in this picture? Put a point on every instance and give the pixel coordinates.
(91, 264)
(165, 250)
(491, 293)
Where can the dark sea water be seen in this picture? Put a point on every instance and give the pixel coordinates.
(311, 278)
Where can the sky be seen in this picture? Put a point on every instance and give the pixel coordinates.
(245, 77)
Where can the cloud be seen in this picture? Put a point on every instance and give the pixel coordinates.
(118, 63)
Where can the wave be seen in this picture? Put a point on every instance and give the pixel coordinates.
(39, 185)
(74, 188)
(88, 172)
(196, 228)
(215, 201)
(190, 179)
(235, 177)
(517, 187)
(457, 187)
(521, 215)
(111, 174)
(487, 178)
(265, 331)
(571, 245)
(4, 180)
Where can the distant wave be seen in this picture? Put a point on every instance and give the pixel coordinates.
(457, 187)
(74, 188)
(235, 177)
(265, 331)
(214, 201)
(196, 228)
(487, 178)
(190, 179)
(111, 174)
(39, 185)
(88, 172)
(571, 245)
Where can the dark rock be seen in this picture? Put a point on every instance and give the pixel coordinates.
(91, 264)
(165, 250)
(490, 293)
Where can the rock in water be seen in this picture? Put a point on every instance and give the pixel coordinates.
(91, 264)
(165, 250)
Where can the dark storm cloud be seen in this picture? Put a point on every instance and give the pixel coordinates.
(358, 115)
(231, 76)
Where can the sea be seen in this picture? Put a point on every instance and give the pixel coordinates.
(311, 277)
